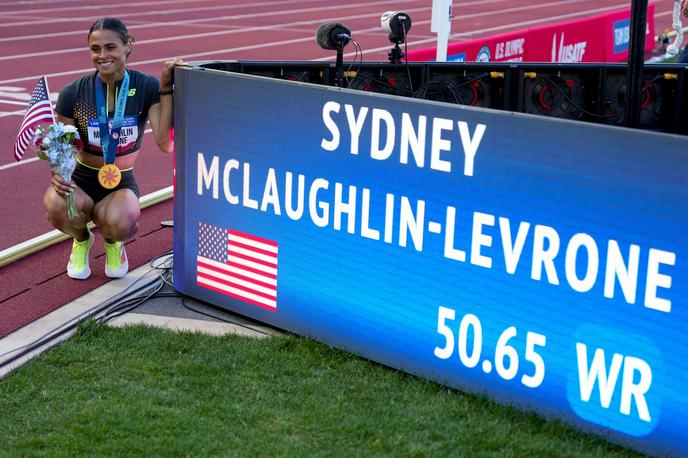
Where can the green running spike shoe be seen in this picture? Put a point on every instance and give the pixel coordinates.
(116, 262)
(78, 267)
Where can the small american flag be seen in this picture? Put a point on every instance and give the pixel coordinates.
(236, 264)
(38, 111)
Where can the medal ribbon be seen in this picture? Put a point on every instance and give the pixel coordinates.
(109, 138)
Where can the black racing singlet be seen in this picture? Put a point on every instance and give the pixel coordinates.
(77, 100)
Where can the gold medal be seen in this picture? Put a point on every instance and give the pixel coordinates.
(109, 176)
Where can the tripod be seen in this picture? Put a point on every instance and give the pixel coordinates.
(340, 65)
(395, 54)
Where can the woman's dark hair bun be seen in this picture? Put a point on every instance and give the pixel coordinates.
(114, 24)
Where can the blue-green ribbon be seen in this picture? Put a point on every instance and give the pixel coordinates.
(109, 137)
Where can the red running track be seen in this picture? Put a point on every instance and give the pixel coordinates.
(39, 38)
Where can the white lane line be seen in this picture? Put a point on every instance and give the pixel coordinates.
(148, 4)
(214, 52)
(157, 13)
(7, 4)
(12, 102)
(305, 39)
(81, 49)
(220, 18)
(12, 113)
(157, 24)
(18, 163)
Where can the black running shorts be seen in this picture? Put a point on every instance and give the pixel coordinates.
(87, 179)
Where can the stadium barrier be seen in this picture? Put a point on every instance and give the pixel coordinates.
(599, 38)
(587, 92)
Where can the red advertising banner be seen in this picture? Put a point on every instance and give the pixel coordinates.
(601, 38)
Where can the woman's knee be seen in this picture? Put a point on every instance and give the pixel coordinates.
(119, 230)
(120, 224)
(55, 208)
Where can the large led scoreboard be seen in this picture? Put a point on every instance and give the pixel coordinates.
(537, 260)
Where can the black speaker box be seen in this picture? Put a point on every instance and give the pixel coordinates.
(559, 91)
(392, 79)
(586, 92)
(465, 84)
(660, 107)
(305, 72)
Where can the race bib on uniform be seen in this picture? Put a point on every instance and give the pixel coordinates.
(127, 135)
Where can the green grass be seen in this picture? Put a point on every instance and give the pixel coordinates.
(141, 391)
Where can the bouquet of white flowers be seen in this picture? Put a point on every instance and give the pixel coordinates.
(58, 144)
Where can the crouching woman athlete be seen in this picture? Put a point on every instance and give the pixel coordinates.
(110, 108)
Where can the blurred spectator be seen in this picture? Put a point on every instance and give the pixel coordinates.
(683, 57)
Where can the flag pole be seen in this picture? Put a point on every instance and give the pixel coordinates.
(47, 89)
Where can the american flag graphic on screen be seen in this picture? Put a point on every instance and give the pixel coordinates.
(236, 264)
